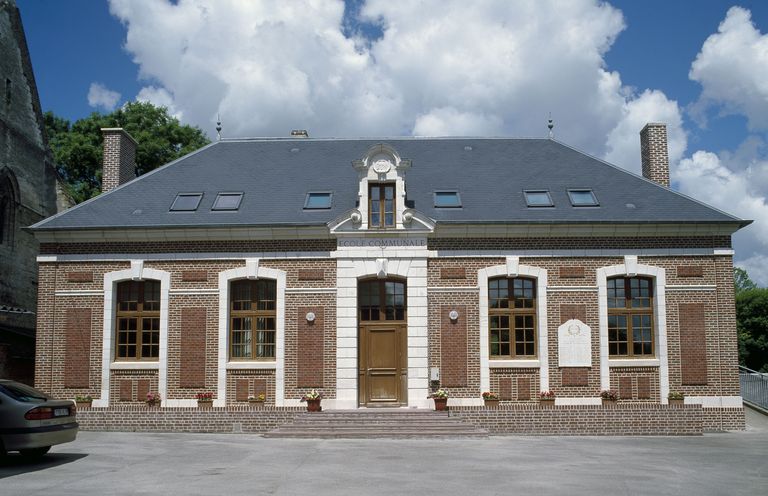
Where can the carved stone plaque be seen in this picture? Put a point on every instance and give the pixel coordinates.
(574, 340)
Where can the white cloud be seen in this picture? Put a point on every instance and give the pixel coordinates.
(159, 97)
(757, 268)
(100, 96)
(447, 121)
(706, 177)
(623, 142)
(732, 69)
(447, 67)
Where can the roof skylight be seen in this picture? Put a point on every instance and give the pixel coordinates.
(447, 199)
(538, 198)
(582, 198)
(227, 201)
(318, 200)
(186, 202)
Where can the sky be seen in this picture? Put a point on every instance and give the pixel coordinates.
(440, 68)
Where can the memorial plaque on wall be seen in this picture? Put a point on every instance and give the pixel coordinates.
(574, 340)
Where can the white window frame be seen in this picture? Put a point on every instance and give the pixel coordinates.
(137, 272)
(630, 268)
(513, 269)
(252, 270)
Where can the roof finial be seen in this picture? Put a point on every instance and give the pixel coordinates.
(218, 126)
(551, 125)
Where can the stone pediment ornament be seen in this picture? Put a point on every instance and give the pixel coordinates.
(382, 166)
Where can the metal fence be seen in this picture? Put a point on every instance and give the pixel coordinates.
(754, 387)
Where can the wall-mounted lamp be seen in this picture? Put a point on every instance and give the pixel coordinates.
(453, 315)
(310, 316)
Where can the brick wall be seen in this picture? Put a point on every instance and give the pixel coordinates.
(653, 153)
(243, 419)
(625, 420)
(452, 284)
(119, 158)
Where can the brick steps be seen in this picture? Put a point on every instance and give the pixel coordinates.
(364, 424)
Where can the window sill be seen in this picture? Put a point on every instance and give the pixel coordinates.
(514, 364)
(634, 362)
(134, 366)
(251, 365)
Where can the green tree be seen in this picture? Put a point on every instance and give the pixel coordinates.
(751, 322)
(77, 148)
(741, 280)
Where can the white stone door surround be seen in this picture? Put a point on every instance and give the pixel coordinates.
(353, 265)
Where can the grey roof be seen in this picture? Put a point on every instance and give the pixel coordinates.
(491, 177)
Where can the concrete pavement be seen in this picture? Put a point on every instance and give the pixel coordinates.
(101, 463)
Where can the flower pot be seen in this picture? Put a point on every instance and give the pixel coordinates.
(491, 403)
(609, 403)
(676, 402)
(314, 406)
(441, 404)
(153, 405)
(256, 403)
(83, 404)
(204, 404)
(547, 402)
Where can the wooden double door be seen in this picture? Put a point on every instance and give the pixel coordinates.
(382, 344)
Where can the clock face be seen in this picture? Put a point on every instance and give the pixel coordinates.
(382, 166)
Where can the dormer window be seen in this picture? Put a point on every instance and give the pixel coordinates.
(381, 205)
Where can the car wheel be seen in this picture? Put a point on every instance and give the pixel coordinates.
(34, 452)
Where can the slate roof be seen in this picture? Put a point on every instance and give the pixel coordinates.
(276, 174)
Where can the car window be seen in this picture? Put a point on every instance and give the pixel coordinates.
(22, 392)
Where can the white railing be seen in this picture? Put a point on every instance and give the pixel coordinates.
(754, 387)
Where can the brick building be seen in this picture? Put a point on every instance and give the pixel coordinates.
(507, 265)
(29, 192)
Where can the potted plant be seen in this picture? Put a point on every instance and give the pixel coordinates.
(609, 397)
(313, 399)
(547, 399)
(441, 399)
(153, 399)
(491, 399)
(83, 401)
(258, 400)
(204, 400)
(676, 398)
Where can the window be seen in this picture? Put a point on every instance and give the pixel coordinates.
(381, 205)
(630, 316)
(227, 201)
(4, 216)
(381, 300)
(538, 198)
(447, 199)
(7, 205)
(138, 320)
(186, 202)
(582, 198)
(253, 319)
(317, 200)
(512, 317)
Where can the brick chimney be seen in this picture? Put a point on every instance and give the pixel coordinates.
(119, 158)
(653, 150)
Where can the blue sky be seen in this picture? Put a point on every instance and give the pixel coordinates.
(381, 67)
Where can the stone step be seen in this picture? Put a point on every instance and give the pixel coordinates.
(362, 424)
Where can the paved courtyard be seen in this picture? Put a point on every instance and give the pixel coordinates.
(100, 463)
